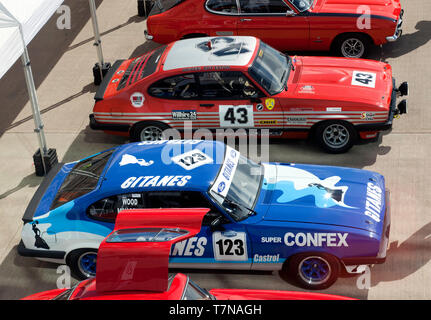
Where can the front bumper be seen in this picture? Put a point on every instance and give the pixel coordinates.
(398, 30)
(393, 111)
(148, 36)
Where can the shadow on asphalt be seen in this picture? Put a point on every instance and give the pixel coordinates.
(45, 51)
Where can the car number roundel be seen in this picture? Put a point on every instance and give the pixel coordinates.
(236, 116)
(230, 246)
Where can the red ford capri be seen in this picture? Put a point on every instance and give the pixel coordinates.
(241, 82)
(346, 27)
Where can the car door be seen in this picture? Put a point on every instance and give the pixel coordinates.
(178, 96)
(221, 243)
(275, 23)
(234, 101)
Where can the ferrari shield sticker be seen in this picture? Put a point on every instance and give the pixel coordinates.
(137, 99)
(270, 103)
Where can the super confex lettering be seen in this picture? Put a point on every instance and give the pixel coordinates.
(316, 239)
(155, 181)
(373, 203)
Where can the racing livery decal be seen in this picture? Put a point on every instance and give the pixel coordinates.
(129, 159)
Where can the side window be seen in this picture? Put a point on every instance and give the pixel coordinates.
(226, 85)
(177, 87)
(108, 208)
(223, 6)
(263, 6)
(182, 199)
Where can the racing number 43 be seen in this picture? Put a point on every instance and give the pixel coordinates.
(236, 116)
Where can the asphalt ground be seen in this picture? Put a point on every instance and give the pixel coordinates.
(62, 61)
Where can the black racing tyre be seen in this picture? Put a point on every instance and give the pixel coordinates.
(82, 263)
(315, 271)
(148, 131)
(335, 136)
(352, 45)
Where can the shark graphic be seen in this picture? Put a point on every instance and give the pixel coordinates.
(129, 159)
(295, 183)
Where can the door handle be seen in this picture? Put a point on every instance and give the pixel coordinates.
(207, 105)
(242, 20)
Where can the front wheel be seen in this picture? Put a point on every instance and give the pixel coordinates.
(314, 271)
(82, 263)
(335, 136)
(352, 46)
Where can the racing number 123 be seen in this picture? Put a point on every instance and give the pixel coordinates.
(230, 246)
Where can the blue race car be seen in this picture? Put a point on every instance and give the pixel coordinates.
(309, 221)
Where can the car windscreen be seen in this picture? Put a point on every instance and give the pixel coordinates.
(238, 196)
(163, 5)
(302, 5)
(270, 69)
(82, 179)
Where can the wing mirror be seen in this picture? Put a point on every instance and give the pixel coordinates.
(217, 224)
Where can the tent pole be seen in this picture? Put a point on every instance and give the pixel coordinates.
(34, 105)
(97, 40)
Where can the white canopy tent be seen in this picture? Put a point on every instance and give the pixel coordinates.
(20, 21)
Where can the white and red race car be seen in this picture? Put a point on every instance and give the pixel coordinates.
(241, 82)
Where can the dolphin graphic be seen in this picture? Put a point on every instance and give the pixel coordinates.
(295, 183)
(129, 159)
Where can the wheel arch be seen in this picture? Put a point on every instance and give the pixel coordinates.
(344, 34)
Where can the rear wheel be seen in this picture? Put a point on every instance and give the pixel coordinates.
(82, 263)
(314, 271)
(335, 136)
(148, 131)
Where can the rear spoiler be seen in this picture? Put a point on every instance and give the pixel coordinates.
(135, 256)
(106, 80)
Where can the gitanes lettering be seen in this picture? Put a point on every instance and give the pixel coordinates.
(193, 246)
(155, 181)
(373, 203)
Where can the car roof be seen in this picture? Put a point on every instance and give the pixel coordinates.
(154, 159)
(210, 51)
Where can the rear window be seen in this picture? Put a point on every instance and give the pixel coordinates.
(164, 5)
(82, 179)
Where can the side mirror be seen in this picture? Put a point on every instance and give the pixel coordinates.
(217, 224)
(290, 13)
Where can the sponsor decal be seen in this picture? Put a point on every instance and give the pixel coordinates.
(364, 79)
(306, 89)
(367, 115)
(137, 99)
(155, 181)
(270, 103)
(333, 109)
(192, 159)
(270, 239)
(373, 203)
(268, 122)
(301, 109)
(129, 159)
(259, 107)
(184, 115)
(297, 120)
(266, 258)
(224, 179)
(190, 247)
(230, 246)
(316, 239)
(295, 183)
(160, 142)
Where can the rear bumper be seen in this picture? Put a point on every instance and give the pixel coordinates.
(43, 254)
(34, 202)
(107, 126)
